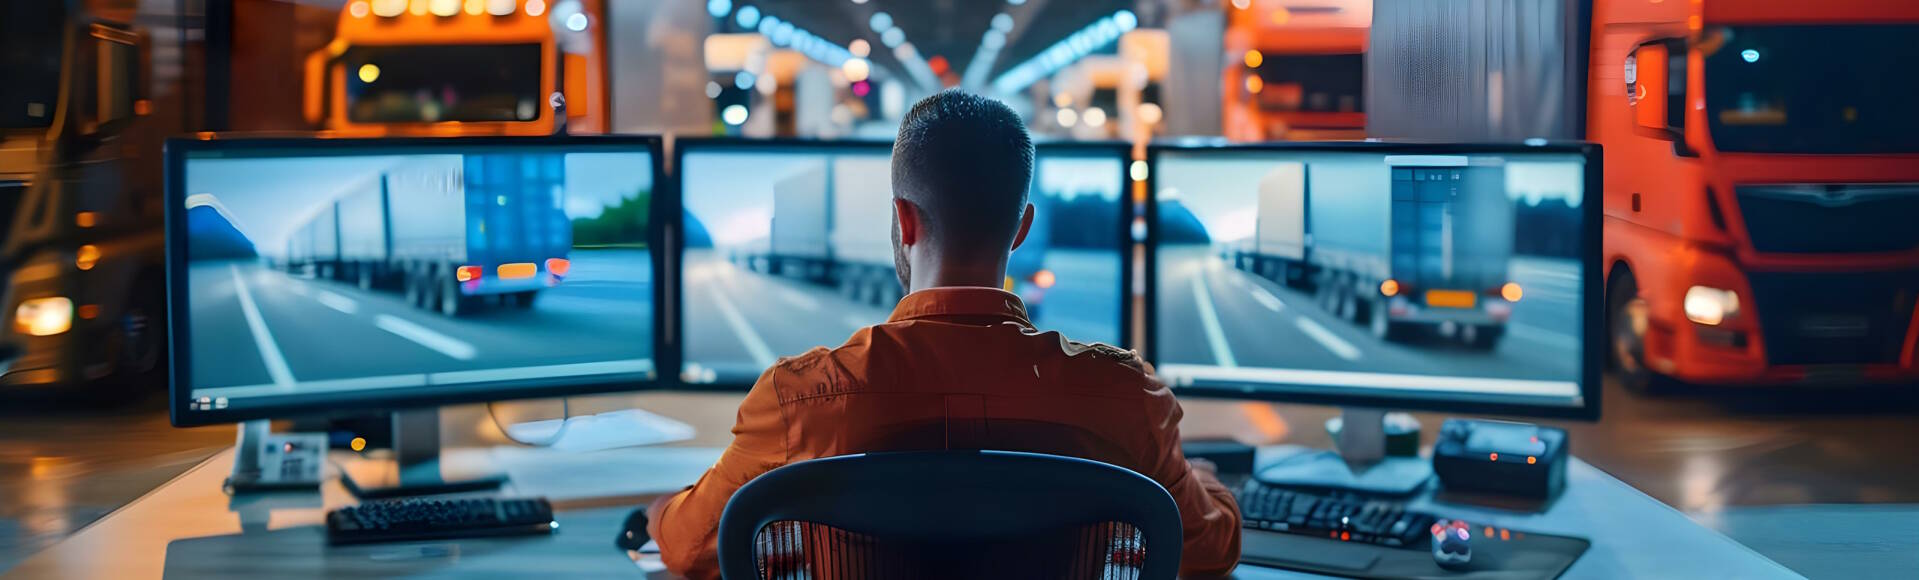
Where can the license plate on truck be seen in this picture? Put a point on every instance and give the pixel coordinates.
(1451, 299)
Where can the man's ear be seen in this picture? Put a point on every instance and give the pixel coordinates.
(908, 216)
(1025, 225)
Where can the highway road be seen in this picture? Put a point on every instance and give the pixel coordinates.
(1213, 315)
(739, 322)
(256, 330)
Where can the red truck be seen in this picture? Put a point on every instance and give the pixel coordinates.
(1762, 188)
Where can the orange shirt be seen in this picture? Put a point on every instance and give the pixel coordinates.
(955, 368)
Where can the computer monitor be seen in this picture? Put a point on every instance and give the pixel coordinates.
(787, 246)
(1379, 275)
(355, 276)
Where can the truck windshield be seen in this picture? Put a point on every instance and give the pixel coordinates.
(426, 84)
(1813, 89)
(29, 62)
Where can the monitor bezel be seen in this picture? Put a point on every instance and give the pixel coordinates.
(179, 376)
(1118, 149)
(1592, 324)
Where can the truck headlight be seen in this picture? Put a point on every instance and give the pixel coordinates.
(1710, 306)
(43, 316)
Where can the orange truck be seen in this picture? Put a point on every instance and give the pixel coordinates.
(1296, 69)
(1762, 188)
(1761, 166)
(459, 67)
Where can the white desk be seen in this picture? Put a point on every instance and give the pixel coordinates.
(189, 528)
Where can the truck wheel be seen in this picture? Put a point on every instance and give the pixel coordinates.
(452, 302)
(523, 300)
(1348, 304)
(366, 277)
(1483, 337)
(1625, 329)
(416, 294)
(1383, 327)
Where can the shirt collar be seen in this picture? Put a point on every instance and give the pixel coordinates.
(961, 301)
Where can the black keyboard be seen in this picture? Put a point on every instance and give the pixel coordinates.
(1345, 518)
(404, 520)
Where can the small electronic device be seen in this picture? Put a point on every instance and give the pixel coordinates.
(1452, 544)
(1501, 457)
(633, 535)
(267, 462)
(431, 519)
(1231, 457)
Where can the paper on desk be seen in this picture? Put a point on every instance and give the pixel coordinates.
(611, 473)
(624, 428)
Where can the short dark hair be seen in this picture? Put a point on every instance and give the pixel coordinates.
(966, 161)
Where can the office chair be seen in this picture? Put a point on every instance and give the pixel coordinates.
(950, 514)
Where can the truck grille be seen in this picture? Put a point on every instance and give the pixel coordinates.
(1850, 318)
(1830, 218)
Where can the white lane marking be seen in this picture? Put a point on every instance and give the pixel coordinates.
(797, 299)
(858, 322)
(640, 366)
(1326, 338)
(1209, 320)
(276, 362)
(1541, 335)
(294, 286)
(426, 337)
(1267, 299)
(755, 346)
(338, 302)
(1188, 374)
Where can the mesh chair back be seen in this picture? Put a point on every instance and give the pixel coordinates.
(950, 514)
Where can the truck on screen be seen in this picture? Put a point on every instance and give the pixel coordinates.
(832, 226)
(1427, 252)
(492, 232)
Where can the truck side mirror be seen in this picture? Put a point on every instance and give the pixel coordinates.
(1656, 87)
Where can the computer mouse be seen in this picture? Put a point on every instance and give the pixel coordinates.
(1452, 544)
(633, 533)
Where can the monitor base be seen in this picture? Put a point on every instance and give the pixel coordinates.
(416, 467)
(1325, 469)
(1361, 465)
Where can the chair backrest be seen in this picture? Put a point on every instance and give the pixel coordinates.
(950, 514)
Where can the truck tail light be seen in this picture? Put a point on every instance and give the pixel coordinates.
(43, 316)
(558, 266)
(1044, 279)
(1389, 288)
(467, 273)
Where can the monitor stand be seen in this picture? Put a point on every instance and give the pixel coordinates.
(416, 468)
(1360, 464)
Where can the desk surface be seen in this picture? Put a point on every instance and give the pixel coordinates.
(189, 528)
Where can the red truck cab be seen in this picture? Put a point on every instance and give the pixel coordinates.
(1761, 188)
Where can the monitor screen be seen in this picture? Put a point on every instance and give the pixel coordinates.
(789, 247)
(370, 272)
(1392, 275)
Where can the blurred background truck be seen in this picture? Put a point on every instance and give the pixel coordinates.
(452, 241)
(85, 102)
(1435, 261)
(1761, 171)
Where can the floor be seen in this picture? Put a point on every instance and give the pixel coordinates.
(1786, 472)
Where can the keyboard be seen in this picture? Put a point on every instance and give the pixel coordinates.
(403, 520)
(1345, 518)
